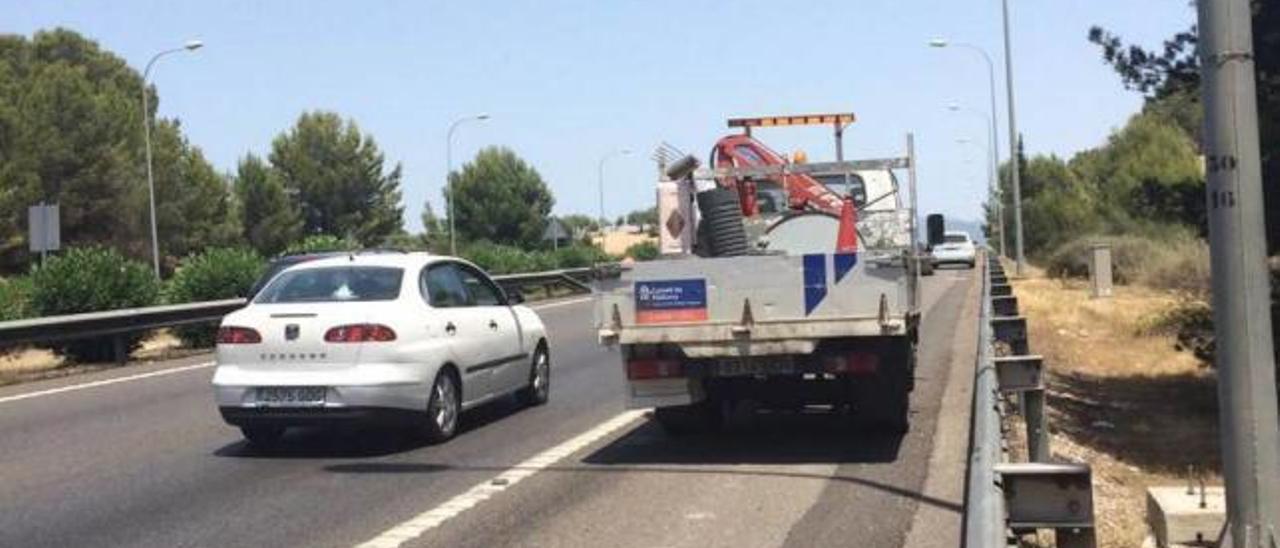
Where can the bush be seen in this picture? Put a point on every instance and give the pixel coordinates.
(643, 251)
(1176, 261)
(503, 259)
(91, 279)
(216, 274)
(320, 243)
(15, 298)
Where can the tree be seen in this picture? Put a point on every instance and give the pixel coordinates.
(579, 223)
(1170, 80)
(643, 217)
(338, 176)
(193, 202)
(71, 133)
(270, 219)
(500, 198)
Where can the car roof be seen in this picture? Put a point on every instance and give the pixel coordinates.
(955, 233)
(408, 261)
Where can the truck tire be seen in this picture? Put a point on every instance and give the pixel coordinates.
(683, 420)
(722, 219)
(884, 399)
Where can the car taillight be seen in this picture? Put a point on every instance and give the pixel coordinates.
(858, 363)
(360, 332)
(238, 335)
(653, 369)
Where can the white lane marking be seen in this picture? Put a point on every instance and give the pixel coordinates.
(105, 382)
(561, 303)
(421, 523)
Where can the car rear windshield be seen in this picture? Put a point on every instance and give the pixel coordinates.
(955, 238)
(334, 284)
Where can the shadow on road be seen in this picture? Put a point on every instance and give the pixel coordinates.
(769, 439)
(646, 450)
(354, 442)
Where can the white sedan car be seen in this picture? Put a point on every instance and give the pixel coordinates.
(956, 248)
(406, 339)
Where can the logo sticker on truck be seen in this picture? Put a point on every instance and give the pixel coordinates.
(671, 301)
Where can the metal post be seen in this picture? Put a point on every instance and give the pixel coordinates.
(1037, 435)
(448, 175)
(1237, 243)
(146, 135)
(1020, 257)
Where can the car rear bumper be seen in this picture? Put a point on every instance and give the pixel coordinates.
(942, 257)
(320, 416)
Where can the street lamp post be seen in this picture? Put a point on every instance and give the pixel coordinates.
(600, 173)
(191, 45)
(995, 137)
(448, 173)
(992, 169)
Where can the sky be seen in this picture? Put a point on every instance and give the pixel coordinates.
(566, 83)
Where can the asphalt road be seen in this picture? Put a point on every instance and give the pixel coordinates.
(138, 457)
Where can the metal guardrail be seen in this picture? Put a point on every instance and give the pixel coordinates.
(1006, 499)
(984, 502)
(132, 320)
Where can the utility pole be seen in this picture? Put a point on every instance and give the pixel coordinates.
(1019, 256)
(1237, 243)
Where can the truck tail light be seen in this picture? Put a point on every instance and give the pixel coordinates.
(360, 332)
(644, 369)
(857, 363)
(231, 334)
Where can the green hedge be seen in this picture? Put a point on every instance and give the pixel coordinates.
(91, 279)
(222, 273)
(503, 259)
(643, 251)
(15, 298)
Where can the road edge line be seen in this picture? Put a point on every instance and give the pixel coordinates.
(105, 382)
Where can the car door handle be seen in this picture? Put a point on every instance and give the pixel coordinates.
(493, 325)
(450, 328)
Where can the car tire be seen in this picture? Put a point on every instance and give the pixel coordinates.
(538, 391)
(444, 405)
(263, 437)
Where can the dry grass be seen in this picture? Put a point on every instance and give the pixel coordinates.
(30, 364)
(1120, 397)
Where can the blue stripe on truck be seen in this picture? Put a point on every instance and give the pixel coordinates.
(815, 281)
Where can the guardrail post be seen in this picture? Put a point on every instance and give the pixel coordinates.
(1004, 306)
(1037, 436)
(120, 348)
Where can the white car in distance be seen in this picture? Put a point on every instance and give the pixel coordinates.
(956, 248)
(408, 340)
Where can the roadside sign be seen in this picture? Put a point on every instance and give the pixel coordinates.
(44, 228)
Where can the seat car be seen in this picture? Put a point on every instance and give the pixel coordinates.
(409, 340)
(956, 248)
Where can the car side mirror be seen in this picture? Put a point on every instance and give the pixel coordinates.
(935, 225)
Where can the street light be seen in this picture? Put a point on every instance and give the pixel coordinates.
(992, 168)
(191, 45)
(600, 171)
(995, 139)
(448, 173)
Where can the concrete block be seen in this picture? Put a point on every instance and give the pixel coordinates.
(1177, 519)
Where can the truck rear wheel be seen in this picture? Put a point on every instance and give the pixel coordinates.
(688, 419)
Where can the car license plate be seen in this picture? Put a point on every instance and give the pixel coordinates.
(747, 368)
(291, 396)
